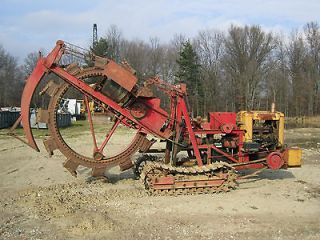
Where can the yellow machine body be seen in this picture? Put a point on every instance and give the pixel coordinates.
(293, 157)
(248, 119)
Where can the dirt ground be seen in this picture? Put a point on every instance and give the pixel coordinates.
(40, 200)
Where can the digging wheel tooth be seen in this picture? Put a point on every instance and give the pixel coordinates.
(99, 163)
(98, 172)
(71, 166)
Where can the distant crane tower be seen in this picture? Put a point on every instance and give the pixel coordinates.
(95, 35)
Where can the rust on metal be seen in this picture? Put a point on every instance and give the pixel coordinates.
(214, 148)
(146, 144)
(169, 183)
(71, 166)
(50, 145)
(167, 180)
(145, 91)
(120, 75)
(138, 110)
(266, 116)
(50, 88)
(42, 116)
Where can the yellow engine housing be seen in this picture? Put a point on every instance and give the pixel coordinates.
(246, 120)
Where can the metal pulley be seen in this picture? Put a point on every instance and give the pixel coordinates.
(138, 110)
(227, 128)
(275, 160)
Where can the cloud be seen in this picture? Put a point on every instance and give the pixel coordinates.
(27, 26)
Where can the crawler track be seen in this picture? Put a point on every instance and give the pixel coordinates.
(213, 178)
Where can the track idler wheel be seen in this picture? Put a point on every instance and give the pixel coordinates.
(141, 162)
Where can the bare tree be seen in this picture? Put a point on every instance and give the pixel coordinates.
(277, 83)
(114, 39)
(297, 57)
(155, 56)
(136, 54)
(210, 48)
(247, 49)
(312, 34)
(30, 62)
(10, 80)
(169, 63)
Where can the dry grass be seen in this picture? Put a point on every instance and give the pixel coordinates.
(313, 122)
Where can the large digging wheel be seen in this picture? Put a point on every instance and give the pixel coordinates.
(98, 162)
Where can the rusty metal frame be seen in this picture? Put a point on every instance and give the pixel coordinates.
(32, 82)
(49, 64)
(155, 120)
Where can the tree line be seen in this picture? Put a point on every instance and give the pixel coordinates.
(243, 68)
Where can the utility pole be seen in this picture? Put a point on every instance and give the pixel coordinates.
(95, 35)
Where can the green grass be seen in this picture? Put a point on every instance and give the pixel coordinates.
(37, 133)
(76, 129)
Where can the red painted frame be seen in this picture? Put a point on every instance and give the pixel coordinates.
(153, 122)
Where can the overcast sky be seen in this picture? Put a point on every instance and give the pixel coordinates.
(28, 25)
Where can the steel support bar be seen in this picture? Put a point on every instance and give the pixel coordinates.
(224, 154)
(192, 136)
(108, 136)
(206, 146)
(170, 183)
(91, 124)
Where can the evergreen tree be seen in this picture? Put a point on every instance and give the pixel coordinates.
(189, 73)
(101, 48)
